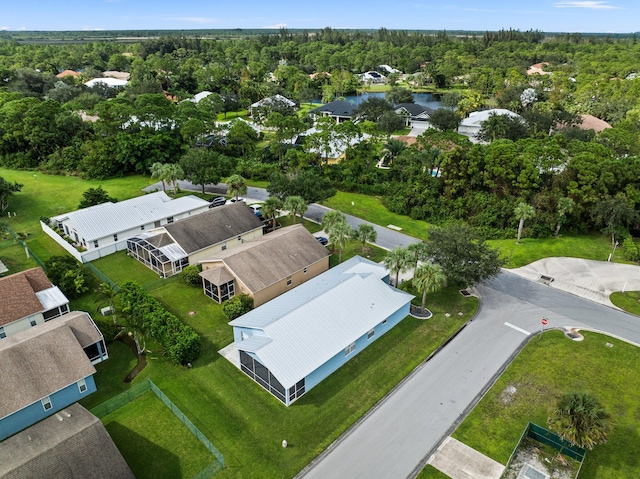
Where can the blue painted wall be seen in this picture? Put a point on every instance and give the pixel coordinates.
(339, 359)
(35, 412)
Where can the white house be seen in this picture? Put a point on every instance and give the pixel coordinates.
(104, 229)
(373, 77)
(110, 82)
(274, 100)
(27, 299)
(470, 126)
(291, 343)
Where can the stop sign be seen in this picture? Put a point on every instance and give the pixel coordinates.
(544, 321)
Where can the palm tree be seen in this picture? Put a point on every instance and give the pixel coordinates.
(109, 292)
(397, 260)
(159, 172)
(295, 205)
(392, 150)
(135, 328)
(419, 252)
(365, 233)
(565, 207)
(236, 186)
(270, 209)
(339, 233)
(174, 173)
(523, 212)
(330, 218)
(428, 278)
(579, 418)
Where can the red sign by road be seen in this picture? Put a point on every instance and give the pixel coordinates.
(544, 321)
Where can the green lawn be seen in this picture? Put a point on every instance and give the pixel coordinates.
(153, 442)
(548, 367)
(629, 301)
(119, 268)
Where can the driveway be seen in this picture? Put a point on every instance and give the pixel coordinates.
(396, 438)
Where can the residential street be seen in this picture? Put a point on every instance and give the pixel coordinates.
(400, 434)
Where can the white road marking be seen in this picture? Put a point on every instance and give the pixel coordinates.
(517, 328)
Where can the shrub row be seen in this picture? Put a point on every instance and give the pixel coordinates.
(181, 342)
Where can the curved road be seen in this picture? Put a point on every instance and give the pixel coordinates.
(396, 438)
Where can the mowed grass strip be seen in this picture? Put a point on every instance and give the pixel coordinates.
(549, 366)
(155, 444)
(629, 301)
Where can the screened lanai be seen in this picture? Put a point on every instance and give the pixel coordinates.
(159, 253)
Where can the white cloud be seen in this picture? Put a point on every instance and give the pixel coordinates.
(92, 29)
(277, 25)
(4, 28)
(585, 4)
(21, 29)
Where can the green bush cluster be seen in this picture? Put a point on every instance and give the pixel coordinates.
(108, 328)
(237, 306)
(181, 343)
(630, 250)
(191, 275)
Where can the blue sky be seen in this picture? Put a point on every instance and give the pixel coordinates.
(616, 16)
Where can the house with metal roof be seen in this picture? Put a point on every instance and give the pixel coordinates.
(272, 103)
(471, 126)
(71, 444)
(265, 267)
(27, 299)
(170, 248)
(47, 368)
(103, 229)
(293, 342)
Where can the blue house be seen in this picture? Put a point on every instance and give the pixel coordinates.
(293, 342)
(46, 368)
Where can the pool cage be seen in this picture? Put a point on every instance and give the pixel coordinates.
(164, 257)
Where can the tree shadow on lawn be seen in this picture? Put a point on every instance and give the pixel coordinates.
(617, 455)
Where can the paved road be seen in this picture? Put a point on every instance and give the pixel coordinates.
(398, 436)
(387, 238)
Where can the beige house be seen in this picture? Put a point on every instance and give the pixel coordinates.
(28, 298)
(266, 267)
(170, 248)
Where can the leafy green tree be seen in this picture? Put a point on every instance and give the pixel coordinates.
(7, 190)
(523, 212)
(236, 186)
(296, 206)
(95, 196)
(372, 109)
(190, 275)
(389, 122)
(204, 166)
(69, 275)
(331, 218)
(579, 418)
(241, 138)
(392, 149)
(270, 209)
(305, 183)
(445, 119)
(237, 306)
(396, 261)
(419, 252)
(365, 233)
(565, 207)
(397, 94)
(614, 214)
(464, 257)
(428, 278)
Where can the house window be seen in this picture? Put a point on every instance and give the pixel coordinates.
(289, 281)
(170, 219)
(384, 320)
(32, 322)
(239, 238)
(224, 246)
(371, 333)
(349, 349)
(2, 333)
(82, 385)
(156, 224)
(304, 271)
(95, 243)
(46, 403)
(142, 228)
(115, 237)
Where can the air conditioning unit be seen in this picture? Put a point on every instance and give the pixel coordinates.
(530, 472)
(106, 311)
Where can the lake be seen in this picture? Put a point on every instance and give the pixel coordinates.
(424, 99)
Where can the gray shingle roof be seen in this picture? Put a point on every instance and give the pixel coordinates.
(214, 226)
(71, 444)
(38, 362)
(415, 109)
(271, 258)
(336, 108)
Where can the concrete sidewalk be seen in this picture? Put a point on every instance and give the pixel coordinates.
(588, 279)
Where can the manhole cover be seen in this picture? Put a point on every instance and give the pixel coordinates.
(465, 293)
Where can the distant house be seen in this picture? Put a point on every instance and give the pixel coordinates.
(590, 122)
(373, 77)
(27, 299)
(388, 69)
(72, 444)
(336, 148)
(293, 342)
(538, 69)
(274, 101)
(339, 110)
(109, 82)
(117, 74)
(170, 248)
(68, 73)
(199, 96)
(471, 126)
(265, 267)
(413, 112)
(47, 368)
(104, 229)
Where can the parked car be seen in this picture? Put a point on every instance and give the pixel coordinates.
(322, 240)
(233, 200)
(257, 209)
(217, 201)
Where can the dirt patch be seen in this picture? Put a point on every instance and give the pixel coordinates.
(506, 396)
(142, 358)
(531, 453)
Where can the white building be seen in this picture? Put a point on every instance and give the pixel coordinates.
(471, 126)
